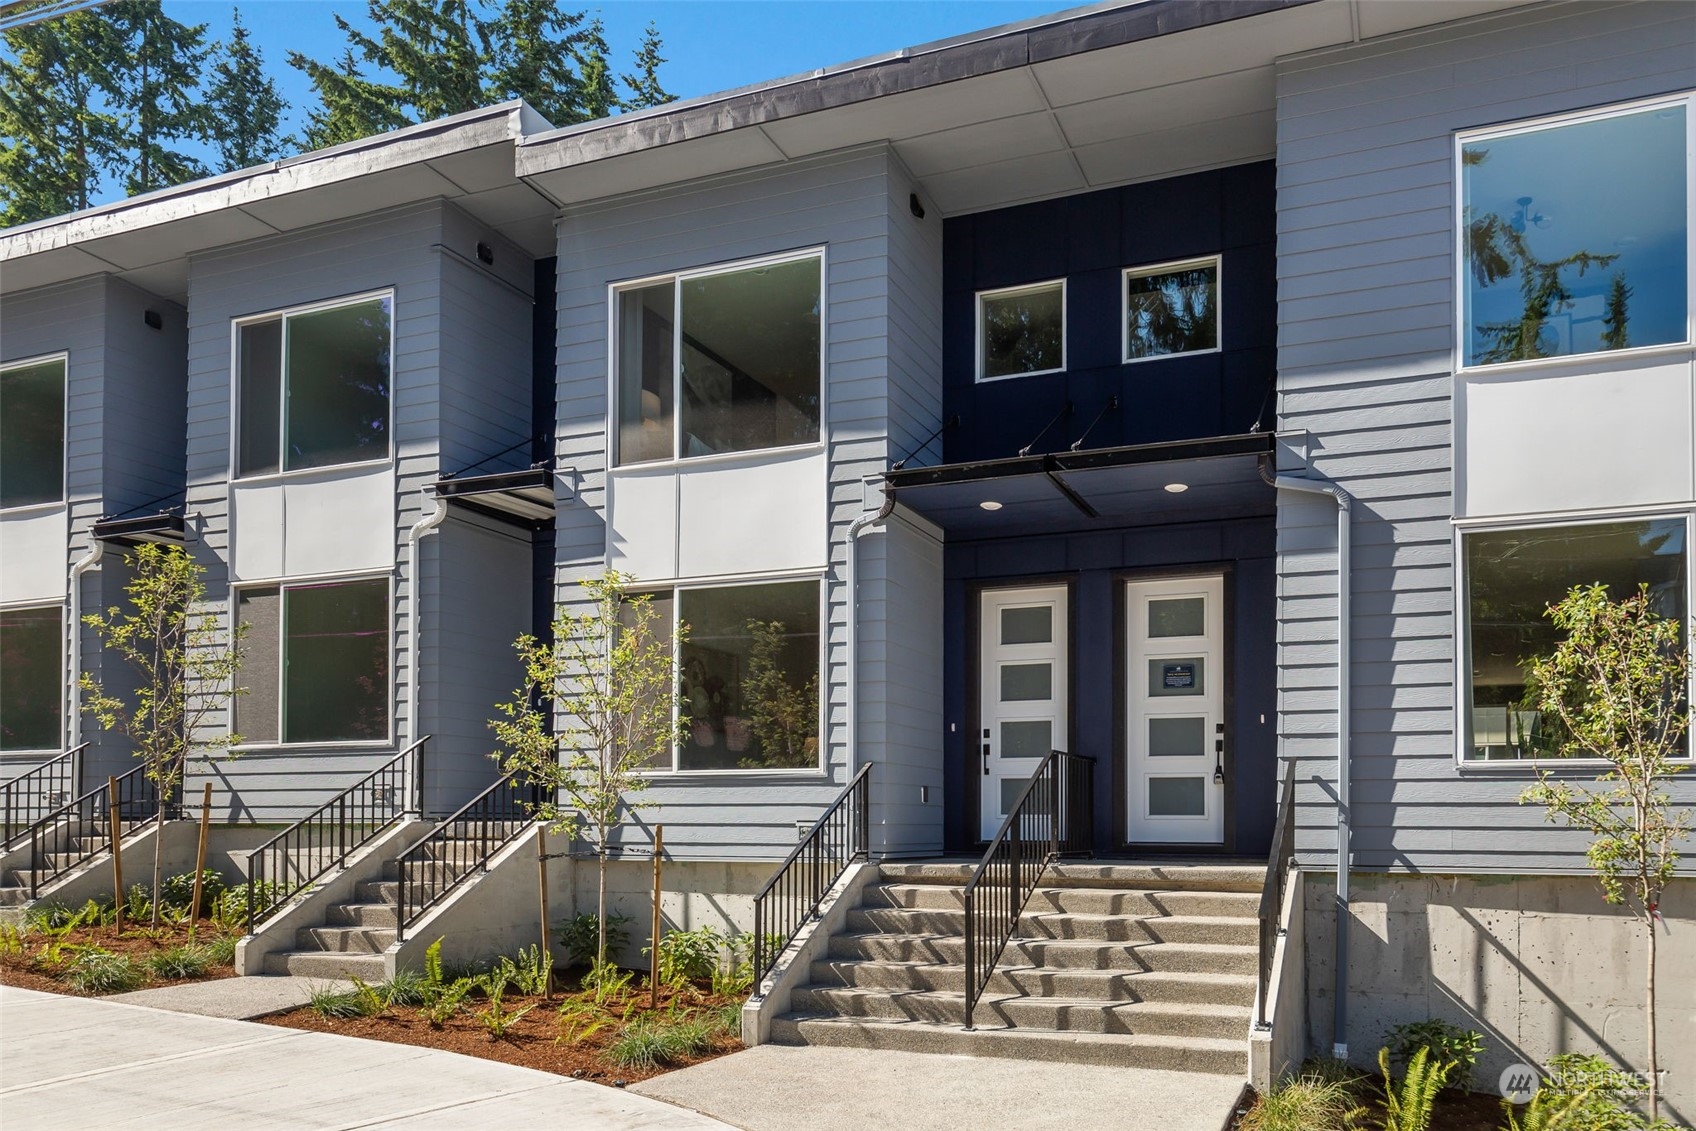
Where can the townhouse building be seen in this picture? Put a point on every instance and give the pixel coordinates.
(1154, 430)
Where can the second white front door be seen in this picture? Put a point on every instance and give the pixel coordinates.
(1023, 690)
(1175, 710)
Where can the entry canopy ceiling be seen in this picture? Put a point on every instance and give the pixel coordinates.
(1098, 489)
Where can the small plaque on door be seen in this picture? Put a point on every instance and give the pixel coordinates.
(1174, 677)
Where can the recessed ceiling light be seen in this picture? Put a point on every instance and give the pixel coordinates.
(1177, 488)
(990, 505)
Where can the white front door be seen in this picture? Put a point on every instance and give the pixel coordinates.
(1023, 690)
(1175, 710)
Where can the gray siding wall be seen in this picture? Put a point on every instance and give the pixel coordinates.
(1366, 324)
(874, 342)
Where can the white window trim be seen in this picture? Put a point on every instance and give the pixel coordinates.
(63, 357)
(1526, 767)
(736, 581)
(1462, 138)
(676, 278)
(1217, 262)
(282, 314)
(233, 604)
(64, 674)
(1005, 292)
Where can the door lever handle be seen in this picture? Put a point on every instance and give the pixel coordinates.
(1219, 761)
(986, 759)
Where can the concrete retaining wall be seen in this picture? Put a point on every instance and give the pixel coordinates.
(1540, 965)
(1280, 1050)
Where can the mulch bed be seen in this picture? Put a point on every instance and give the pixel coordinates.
(533, 1042)
(137, 942)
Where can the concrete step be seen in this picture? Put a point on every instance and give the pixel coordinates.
(13, 896)
(1102, 928)
(1059, 954)
(1037, 982)
(318, 964)
(378, 891)
(1172, 1019)
(361, 915)
(1198, 875)
(1180, 1054)
(1074, 901)
(345, 940)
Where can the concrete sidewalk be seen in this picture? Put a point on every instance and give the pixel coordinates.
(105, 1064)
(784, 1088)
(234, 998)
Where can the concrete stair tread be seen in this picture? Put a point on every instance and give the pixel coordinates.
(990, 1000)
(959, 969)
(1176, 874)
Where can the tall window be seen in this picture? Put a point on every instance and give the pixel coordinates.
(317, 666)
(1513, 576)
(32, 433)
(313, 387)
(727, 360)
(31, 677)
(1172, 308)
(1022, 331)
(1575, 235)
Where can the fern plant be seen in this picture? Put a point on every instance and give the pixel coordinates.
(1410, 1106)
(499, 1020)
(533, 972)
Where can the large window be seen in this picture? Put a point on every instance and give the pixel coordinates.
(748, 676)
(1172, 308)
(313, 387)
(1022, 331)
(32, 433)
(727, 360)
(1512, 577)
(1575, 235)
(31, 678)
(317, 664)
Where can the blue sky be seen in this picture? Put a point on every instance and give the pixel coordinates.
(710, 45)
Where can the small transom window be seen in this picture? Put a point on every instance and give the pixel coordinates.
(1172, 309)
(1022, 331)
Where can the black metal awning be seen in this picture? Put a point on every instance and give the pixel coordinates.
(165, 526)
(523, 496)
(1137, 485)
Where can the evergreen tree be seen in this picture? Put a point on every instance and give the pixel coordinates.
(598, 97)
(1615, 333)
(243, 103)
(644, 85)
(155, 80)
(532, 45)
(435, 47)
(349, 106)
(54, 135)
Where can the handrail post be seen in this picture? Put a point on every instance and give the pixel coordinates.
(971, 958)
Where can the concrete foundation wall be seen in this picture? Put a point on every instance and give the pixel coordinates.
(696, 893)
(1540, 965)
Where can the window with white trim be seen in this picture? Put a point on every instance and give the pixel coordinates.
(316, 667)
(728, 359)
(1172, 309)
(1575, 234)
(31, 677)
(1021, 331)
(1512, 576)
(32, 432)
(313, 387)
(748, 675)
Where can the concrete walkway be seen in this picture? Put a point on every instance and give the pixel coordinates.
(106, 1064)
(782, 1088)
(234, 998)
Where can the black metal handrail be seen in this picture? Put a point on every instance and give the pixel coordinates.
(31, 796)
(840, 836)
(1278, 864)
(74, 834)
(1053, 817)
(322, 841)
(461, 846)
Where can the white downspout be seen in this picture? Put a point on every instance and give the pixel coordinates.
(81, 566)
(1340, 1045)
(415, 619)
(851, 712)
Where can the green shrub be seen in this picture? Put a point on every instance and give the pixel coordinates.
(189, 961)
(1460, 1048)
(688, 956)
(577, 937)
(178, 891)
(57, 919)
(1584, 1093)
(95, 970)
(1310, 1101)
(222, 950)
(407, 987)
(13, 946)
(363, 1000)
(443, 1001)
(649, 1042)
(231, 905)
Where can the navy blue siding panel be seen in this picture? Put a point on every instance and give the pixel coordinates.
(1089, 239)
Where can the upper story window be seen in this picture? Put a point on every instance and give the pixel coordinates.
(32, 433)
(1512, 577)
(1022, 331)
(313, 386)
(1575, 234)
(317, 666)
(728, 359)
(1172, 308)
(31, 677)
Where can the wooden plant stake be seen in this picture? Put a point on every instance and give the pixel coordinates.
(200, 858)
(654, 951)
(117, 857)
(542, 879)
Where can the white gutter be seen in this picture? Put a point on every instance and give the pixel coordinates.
(1340, 1044)
(414, 618)
(81, 566)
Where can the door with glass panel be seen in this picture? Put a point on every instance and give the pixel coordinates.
(1023, 693)
(1175, 721)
